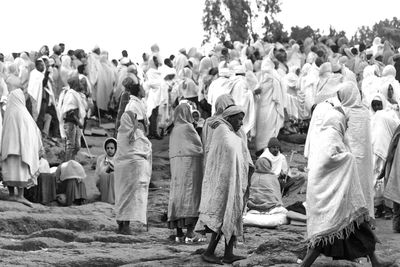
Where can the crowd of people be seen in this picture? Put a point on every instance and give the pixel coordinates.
(212, 105)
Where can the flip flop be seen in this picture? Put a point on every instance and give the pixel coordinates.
(191, 240)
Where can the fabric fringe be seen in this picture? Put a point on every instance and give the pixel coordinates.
(341, 233)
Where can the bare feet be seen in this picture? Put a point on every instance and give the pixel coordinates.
(24, 201)
(211, 259)
(232, 258)
(378, 262)
(12, 198)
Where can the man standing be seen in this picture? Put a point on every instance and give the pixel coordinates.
(224, 186)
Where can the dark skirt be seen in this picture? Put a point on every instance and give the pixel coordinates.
(182, 223)
(359, 244)
(45, 191)
(74, 190)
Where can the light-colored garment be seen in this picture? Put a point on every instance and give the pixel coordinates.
(66, 70)
(278, 162)
(105, 83)
(265, 191)
(392, 169)
(243, 96)
(218, 87)
(72, 170)
(334, 194)
(270, 113)
(132, 171)
(186, 155)
(69, 100)
(358, 138)
(370, 84)
(35, 90)
(222, 193)
(21, 143)
(153, 90)
(104, 179)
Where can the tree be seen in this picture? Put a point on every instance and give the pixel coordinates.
(298, 33)
(387, 29)
(214, 22)
(235, 19)
(238, 28)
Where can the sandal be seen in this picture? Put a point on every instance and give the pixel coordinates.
(191, 240)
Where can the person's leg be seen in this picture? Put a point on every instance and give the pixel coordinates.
(11, 193)
(209, 254)
(126, 230)
(153, 123)
(378, 262)
(77, 142)
(312, 255)
(120, 225)
(47, 122)
(190, 231)
(70, 136)
(21, 198)
(229, 257)
(396, 217)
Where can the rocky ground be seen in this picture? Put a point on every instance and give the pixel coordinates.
(84, 235)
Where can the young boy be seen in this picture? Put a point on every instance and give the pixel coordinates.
(73, 114)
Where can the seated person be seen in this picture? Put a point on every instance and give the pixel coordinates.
(45, 190)
(280, 167)
(265, 191)
(105, 172)
(70, 187)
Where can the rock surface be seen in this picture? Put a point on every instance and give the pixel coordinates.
(85, 235)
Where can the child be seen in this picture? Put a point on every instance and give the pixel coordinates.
(105, 171)
(73, 114)
(198, 121)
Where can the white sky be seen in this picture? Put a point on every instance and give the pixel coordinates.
(135, 25)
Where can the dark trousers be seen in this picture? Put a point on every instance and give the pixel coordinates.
(396, 217)
(153, 122)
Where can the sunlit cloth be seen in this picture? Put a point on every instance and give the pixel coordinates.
(218, 87)
(278, 162)
(72, 170)
(66, 70)
(392, 169)
(270, 105)
(222, 193)
(153, 90)
(35, 90)
(243, 96)
(358, 137)
(132, 171)
(69, 100)
(105, 83)
(186, 155)
(334, 195)
(21, 143)
(370, 83)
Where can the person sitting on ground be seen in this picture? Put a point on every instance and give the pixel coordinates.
(265, 191)
(280, 167)
(105, 171)
(70, 187)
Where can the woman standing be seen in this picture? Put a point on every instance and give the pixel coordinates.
(132, 172)
(186, 155)
(21, 147)
(337, 213)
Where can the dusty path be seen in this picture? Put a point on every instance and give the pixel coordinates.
(84, 235)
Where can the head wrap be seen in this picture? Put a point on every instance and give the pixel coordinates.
(274, 142)
(222, 102)
(72, 170)
(349, 94)
(291, 79)
(263, 165)
(389, 70)
(325, 68)
(232, 111)
(155, 48)
(110, 140)
(182, 114)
